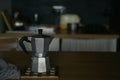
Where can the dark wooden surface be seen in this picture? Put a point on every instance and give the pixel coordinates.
(21, 59)
(15, 35)
(85, 35)
(74, 65)
(39, 78)
(87, 65)
(60, 35)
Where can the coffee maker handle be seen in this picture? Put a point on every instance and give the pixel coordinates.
(21, 43)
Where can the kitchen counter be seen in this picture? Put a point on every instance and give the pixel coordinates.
(60, 36)
(85, 35)
(14, 35)
(63, 35)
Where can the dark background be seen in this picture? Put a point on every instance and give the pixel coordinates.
(4, 5)
(90, 11)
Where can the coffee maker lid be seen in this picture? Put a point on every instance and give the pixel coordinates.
(40, 35)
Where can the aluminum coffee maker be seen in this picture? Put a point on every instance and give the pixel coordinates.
(40, 46)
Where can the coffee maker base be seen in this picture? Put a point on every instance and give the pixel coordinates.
(40, 65)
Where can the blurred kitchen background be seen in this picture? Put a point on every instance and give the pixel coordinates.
(90, 11)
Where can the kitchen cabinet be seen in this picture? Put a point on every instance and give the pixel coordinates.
(72, 65)
(88, 42)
